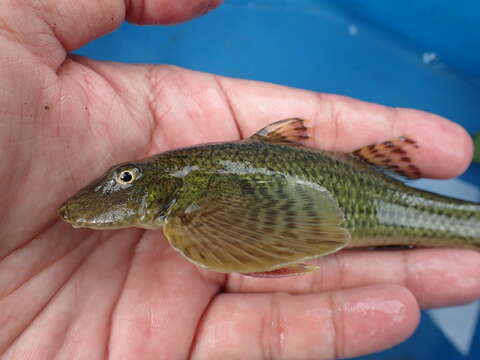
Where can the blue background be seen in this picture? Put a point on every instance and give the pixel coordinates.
(420, 54)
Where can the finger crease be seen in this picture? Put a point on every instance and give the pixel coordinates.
(337, 323)
(406, 270)
(43, 228)
(47, 303)
(197, 331)
(229, 104)
(120, 291)
(42, 269)
(272, 332)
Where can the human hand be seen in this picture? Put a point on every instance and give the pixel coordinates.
(127, 294)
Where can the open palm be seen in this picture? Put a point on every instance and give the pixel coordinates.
(127, 294)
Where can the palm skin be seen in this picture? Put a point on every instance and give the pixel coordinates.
(127, 294)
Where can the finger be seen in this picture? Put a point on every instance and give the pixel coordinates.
(167, 11)
(322, 326)
(345, 124)
(161, 304)
(436, 277)
(50, 28)
(64, 306)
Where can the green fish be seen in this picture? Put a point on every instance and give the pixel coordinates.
(266, 205)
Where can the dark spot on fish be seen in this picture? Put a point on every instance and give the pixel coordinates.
(307, 207)
(379, 156)
(306, 197)
(399, 151)
(272, 212)
(285, 206)
(406, 159)
(184, 219)
(263, 191)
(281, 194)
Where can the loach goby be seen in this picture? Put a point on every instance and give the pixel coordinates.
(266, 205)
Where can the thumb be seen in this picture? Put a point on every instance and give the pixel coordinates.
(52, 28)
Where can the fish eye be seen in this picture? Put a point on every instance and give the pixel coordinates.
(128, 176)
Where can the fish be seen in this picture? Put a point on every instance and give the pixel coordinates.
(476, 152)
(269, 205)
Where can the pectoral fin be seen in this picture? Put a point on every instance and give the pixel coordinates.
(258, 225)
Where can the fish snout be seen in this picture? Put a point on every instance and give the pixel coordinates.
(63, 212)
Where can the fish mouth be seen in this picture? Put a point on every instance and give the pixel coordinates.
(66, 216)
(63, 213)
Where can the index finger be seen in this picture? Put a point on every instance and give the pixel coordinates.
(345, 124)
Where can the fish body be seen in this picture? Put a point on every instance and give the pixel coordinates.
(268, 203)
(476, 143)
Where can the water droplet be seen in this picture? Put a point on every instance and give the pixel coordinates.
(352, 29)
(429, 58)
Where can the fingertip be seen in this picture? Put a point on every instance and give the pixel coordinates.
(329, 325)
(444, 277)
(446, 147)
(374, 318)
(167, 12)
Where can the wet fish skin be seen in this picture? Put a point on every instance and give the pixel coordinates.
(376, 209)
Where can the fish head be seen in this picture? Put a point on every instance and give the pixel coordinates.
(127, 195)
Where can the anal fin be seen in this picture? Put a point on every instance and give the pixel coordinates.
(291, 270)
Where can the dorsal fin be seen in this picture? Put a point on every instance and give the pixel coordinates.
(396, 155)
(285, 132)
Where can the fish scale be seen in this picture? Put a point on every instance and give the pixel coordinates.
(378, 209)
